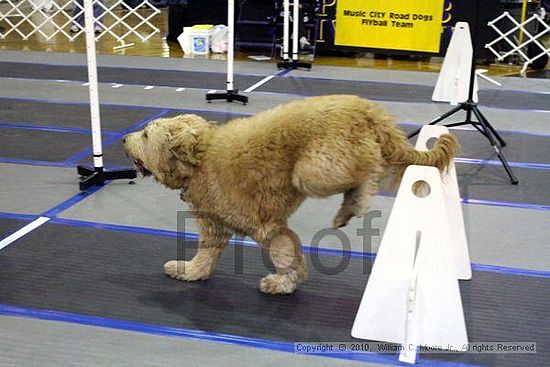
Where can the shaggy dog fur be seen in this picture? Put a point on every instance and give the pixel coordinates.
(250, 175)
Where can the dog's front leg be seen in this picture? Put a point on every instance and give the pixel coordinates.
(212, 242)
(285, 251)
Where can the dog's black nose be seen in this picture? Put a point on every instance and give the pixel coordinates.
(124, 140)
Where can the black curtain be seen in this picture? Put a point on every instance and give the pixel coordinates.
(465, 11)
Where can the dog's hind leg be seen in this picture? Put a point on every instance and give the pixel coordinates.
(285, 251)
(212, 242)
(356, 200)
(347, 209)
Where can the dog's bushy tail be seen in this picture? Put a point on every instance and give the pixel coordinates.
(398, 152)
(439, 156)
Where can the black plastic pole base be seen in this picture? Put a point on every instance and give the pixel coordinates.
(229, 96)
(483, 126)
(293, 64)
(98, 176)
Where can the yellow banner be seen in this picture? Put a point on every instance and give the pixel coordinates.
(412, 25)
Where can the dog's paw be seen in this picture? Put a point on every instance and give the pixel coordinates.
(277, 284)
(342, 218)
(185, 270)
(360, 210)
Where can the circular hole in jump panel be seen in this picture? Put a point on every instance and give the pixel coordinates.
(430, 143)
(421, 188)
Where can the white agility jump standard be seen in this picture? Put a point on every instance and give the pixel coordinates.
(454, 78)
(453, 82)
(451, 194)
(412, 296)
(231, 94)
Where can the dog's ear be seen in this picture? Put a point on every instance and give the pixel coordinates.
(185, 137)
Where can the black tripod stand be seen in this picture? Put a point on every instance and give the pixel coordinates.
(97, 176)
(482, 124)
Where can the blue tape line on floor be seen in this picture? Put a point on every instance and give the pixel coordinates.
(307, 248)
(59, 129)
(483, 162)
(505, 204)
(158, 330)
(52, 212)
(18, 216)
(283, 72)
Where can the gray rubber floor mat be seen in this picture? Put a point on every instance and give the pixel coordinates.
(119, 275)
(69, 115)
(520, 147)
(303, 86)
(9, 226)
(169, 78)
(51, 146)
(401, 92)
(490, 182)
(482, 182)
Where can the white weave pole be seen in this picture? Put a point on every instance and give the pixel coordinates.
(287, 62)
(286, 27)
(93, 85)
(231, 94)
(98, 176)
(230, 43)
(295, 23)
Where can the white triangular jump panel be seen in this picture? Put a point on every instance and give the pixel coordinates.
(417, 237)
(454, 78)
(451, 195)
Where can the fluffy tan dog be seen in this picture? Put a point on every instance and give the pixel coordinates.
(251, 174)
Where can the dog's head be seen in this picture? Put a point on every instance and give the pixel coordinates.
(168, 148)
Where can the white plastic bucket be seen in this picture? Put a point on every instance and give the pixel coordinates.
(196, 40)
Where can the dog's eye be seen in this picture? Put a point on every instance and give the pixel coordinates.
(144, 134)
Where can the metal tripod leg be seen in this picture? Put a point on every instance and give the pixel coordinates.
(440, 118)
(490, 127)
(495, 145)
(480, 129)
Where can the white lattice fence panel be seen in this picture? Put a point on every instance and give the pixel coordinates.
(507, 33)
(49, 19)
